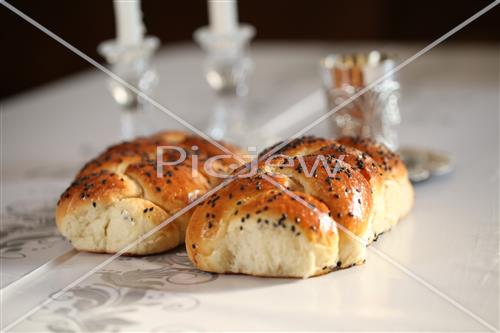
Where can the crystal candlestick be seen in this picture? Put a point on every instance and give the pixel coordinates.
(133, 65)
(227, 67)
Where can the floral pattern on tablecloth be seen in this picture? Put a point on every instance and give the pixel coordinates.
(112, 298)
(28, 238)
(115, 298)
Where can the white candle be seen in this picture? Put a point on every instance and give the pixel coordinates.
(223, 16)
(129, 26)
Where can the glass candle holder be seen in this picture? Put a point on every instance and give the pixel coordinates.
(374, 114)
(133, 65)
(226, 68)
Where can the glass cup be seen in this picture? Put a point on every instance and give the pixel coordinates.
(375, 112)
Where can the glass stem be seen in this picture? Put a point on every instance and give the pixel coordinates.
(228, 118)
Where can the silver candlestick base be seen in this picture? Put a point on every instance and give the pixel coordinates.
(133, 65)
(227, 67)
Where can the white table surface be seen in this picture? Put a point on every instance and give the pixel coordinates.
(450, 241)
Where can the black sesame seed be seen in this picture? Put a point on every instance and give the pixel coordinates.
(158, 189)
(94, 204)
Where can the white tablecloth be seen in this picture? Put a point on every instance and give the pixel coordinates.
(449, 243)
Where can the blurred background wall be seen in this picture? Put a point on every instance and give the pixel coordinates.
(30, 58)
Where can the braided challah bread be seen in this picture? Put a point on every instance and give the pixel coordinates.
(293, 219)
(119, 196)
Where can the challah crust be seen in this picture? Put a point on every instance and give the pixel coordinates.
(118, 196)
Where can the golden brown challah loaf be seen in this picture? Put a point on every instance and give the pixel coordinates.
(248, 227)
(118, 196)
